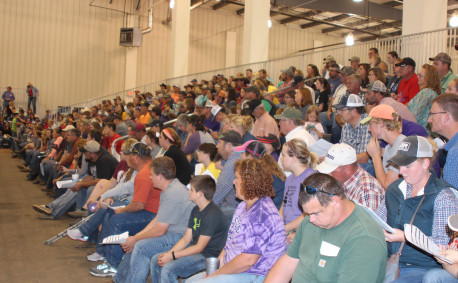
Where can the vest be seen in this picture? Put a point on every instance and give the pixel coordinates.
(400, 212)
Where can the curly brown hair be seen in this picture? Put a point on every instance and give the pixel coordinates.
(257, 182)
(432, 79)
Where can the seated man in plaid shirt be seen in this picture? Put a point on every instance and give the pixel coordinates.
(359, 186)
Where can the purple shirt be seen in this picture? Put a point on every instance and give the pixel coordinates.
(291, 208)
(260, 231)
(212, 125)
(8, 95)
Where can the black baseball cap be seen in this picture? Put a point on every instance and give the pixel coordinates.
(412, 148)
(231, 136)
(407, 61)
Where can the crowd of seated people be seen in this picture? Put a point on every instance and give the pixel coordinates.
(269, 183)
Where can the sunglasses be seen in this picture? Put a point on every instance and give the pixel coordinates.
(312, 190)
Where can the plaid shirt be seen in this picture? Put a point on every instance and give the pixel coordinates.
(451, 163)
(445, 204)
(357, 137)
(364, 189)
(225, 192)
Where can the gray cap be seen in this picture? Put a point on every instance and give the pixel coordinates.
(377, 86)
(412, 148)
(91, 146)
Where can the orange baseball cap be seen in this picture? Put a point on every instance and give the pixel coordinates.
(382, 111)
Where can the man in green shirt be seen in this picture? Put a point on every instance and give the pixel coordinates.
(336, 242)
(442, 63)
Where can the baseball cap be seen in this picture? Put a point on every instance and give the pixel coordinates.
(407, 61)
(354, 58)
(382, 111)
(256, 148)
(346, 71)
(68, 128)
(442, 57)
(137, 127)
(339, 154)
(253, 104)
(453, 222)
(349, 100)
(91, 146)
(194, 80)
(155, 123)
(328, 59)
(377, 86)
(412, 148)
(139, 149)
(209, 104)
(231, 136)
(176, 85)
(288, 71)
(215, 110)
(163, 84)
(270, 139)
(296, 80)
(290, 113)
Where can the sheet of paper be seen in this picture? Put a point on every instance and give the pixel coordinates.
(116, 239)
(65, 184)
(198, 169)
(420, 240)
(321, 147)
(377, 219)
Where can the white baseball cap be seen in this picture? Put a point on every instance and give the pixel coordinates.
(338, 155)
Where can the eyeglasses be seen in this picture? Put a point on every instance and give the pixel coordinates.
(312, 190)
(342, 110)
(434, 113)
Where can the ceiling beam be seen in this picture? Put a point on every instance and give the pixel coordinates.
(378, 28)
(366, 8)
(220, 5)
(369, 38)
(331, 19)
(352, 24)
(392, 3)
(240, 11)
(293, 18)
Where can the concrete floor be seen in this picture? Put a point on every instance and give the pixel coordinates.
(24, 257)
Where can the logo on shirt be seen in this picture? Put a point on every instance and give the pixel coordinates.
(329, 156)
(196, 224)
(322, 263)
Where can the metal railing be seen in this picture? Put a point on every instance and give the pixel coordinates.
(419, 46)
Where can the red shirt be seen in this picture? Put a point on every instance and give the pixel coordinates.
(107, 142)
(408, 89)
(144, 191)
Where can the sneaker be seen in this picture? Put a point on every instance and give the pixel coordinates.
(103, 270)
(22, 167)
(78, 213)
(75, 234)
(94, 257)
(43, 209)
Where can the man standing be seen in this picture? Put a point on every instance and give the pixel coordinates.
(264, 124)
(333, 240)
(442, 63)
(382, 65)
(249, 76)
(359, 186)
(32, 93)
(443, 118)
(408, 87)
(334, 77)
(7, 96)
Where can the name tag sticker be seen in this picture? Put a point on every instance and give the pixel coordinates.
(322, 263)
(328, 249)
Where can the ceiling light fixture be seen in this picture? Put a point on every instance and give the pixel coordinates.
(172, 4)
(349, 40)
(357, 1)
(453, 21)
(269, 23)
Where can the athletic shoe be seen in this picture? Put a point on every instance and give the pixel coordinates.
(43, 209)
(78, 213)
(94, 257)
(75, 234)
(22, 167)
(103, 270)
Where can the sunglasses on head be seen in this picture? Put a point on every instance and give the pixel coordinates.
(312, 190)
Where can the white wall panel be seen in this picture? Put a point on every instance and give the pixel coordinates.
(68, 49)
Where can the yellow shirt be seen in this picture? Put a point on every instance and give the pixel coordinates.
(211, 167)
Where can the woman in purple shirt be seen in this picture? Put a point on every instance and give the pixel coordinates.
(297, 159)
(256, 238)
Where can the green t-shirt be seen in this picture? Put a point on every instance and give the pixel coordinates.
(14, 125)
(353, 251)
(446, 80)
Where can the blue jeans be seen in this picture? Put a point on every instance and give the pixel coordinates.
(228, 278)
(136, 265)
(33, 101)
(410, 275)
(89, 228)
(133, 222)
(438, 275)
(181, 267)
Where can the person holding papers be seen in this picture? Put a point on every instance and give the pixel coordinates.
(418, 187)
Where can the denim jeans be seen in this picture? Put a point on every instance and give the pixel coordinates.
(90, 227)
(410, 275)
(33, 101)
(133, 222)
(136, 265)
(82, 196)
(228, 278)
(181, 267)
(438, 275)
